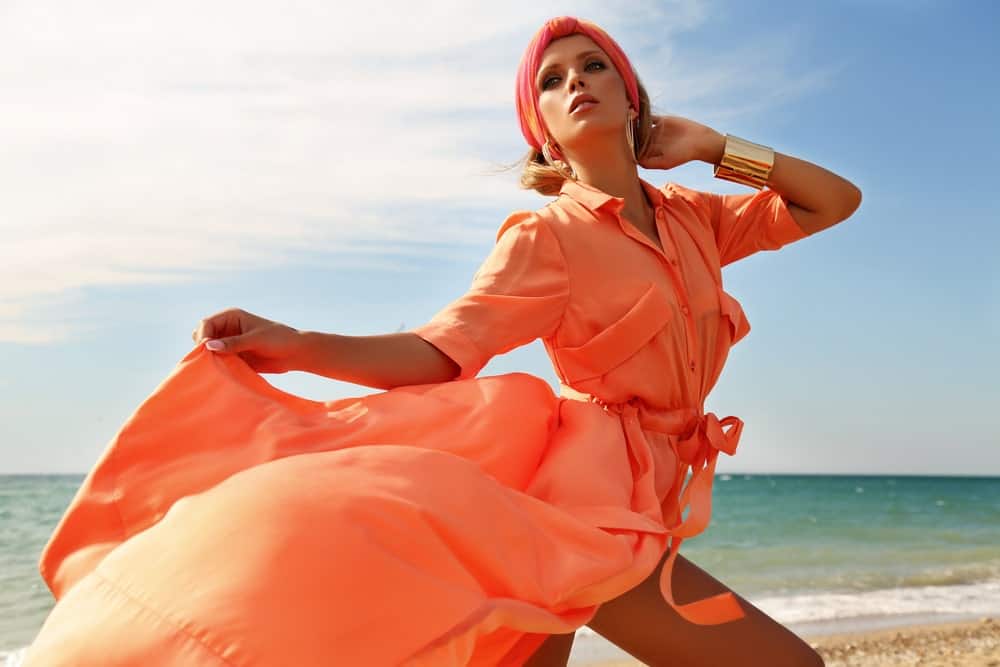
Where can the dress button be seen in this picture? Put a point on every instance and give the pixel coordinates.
(685, 310)
(660, 213)
(692, 364)
(673, 261)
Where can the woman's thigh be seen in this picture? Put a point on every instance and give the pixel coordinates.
(643, 624)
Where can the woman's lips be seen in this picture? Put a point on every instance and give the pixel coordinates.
(583, 106)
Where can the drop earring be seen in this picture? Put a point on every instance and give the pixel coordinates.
(630, 134)
(558, 164)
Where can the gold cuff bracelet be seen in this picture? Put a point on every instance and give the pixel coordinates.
(745, 162)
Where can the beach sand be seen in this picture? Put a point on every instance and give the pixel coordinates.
(958, 644)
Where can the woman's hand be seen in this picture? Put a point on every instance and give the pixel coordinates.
(674, 140)
(266, 346)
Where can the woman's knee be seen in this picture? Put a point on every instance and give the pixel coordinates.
(641, 623)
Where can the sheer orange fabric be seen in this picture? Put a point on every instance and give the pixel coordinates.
(460, 523)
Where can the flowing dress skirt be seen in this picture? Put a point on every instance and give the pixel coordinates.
(231, 523)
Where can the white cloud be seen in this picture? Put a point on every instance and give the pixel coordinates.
(144, 144)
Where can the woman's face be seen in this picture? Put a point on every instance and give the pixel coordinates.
(572, 66)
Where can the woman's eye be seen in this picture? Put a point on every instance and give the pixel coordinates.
(545, 83)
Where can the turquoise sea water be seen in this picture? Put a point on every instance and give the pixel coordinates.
(807, 549)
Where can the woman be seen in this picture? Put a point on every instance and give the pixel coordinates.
(570, 102)
(452, 519)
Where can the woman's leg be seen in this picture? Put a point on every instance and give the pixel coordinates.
(554, 652)
(641, 623)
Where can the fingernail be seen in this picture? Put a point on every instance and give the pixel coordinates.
(214, 345)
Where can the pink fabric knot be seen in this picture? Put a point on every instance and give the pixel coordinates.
(701, 436)
(708, 436)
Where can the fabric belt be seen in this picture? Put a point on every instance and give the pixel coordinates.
(701, 438)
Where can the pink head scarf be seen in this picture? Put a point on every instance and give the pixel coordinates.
(526, 93)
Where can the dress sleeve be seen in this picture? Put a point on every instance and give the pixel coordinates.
(744, 224)
(518, 294)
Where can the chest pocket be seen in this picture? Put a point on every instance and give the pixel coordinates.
(732, 313)
(618, 342)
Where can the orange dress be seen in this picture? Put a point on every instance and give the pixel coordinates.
(457, 523)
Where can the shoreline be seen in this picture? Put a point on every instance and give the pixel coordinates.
(956, 643)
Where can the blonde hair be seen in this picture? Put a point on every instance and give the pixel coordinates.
(542, 177)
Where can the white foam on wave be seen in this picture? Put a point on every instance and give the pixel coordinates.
(981, 598)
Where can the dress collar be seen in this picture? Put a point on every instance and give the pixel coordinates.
(594, 199)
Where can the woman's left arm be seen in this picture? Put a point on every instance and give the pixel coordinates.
(817, 198)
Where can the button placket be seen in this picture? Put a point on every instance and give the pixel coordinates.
(691, 333)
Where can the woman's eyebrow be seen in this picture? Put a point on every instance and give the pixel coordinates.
(579, 56)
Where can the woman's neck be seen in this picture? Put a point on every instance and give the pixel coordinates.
(615, 173)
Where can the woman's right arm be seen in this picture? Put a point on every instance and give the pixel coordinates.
(518, 294)
(382, 361)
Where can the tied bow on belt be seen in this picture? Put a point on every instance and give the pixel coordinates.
(701, 438)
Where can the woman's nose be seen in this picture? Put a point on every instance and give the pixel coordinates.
(574, 80)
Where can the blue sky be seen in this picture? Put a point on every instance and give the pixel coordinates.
(332, 169)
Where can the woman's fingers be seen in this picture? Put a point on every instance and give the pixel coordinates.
(267, 346)
(224, 323)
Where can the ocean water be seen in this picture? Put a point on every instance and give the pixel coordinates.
(816, 552)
